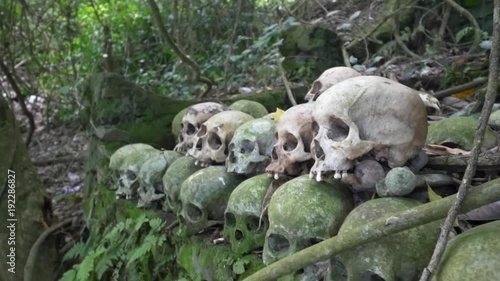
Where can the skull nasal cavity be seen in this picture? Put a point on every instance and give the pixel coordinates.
(214, 141)
(278, 243)
(191, 129)
(253, 224)
(193, 212)
(290, 143)
(238, 235)
(230, 219)
(318, 151)
(338, 130)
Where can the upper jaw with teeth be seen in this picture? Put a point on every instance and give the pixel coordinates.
(337, 174)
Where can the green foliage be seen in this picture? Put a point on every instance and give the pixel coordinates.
(128, 249)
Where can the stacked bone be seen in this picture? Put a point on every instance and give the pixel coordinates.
(357, 134)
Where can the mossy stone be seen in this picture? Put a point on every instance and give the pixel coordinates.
(459, 131)
(176, 123)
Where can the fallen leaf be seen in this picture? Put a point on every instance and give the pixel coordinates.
(488, 212)
(464, 94)
(437, 149)
(278, 113)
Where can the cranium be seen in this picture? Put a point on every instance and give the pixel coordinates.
(211, 141)
(472, 255)
(126, 161)
(367, 116)
(204, 196)
(251, 146)
(292, 154)
(176, 174)
(191, 123)
(329, 78)
(303, 212)
(150, 177)
(253, 108)
(398, 257)
(243, 226)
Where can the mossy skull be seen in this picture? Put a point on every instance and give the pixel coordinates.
(176, 174)
(472, 255)
(243, 226)
(251, 146)
(329, 78)
(204, 196)
(150, 177)
(303, 212)
(253, 108)
(126, 161)
(398, 257)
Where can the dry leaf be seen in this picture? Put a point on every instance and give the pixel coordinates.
(278, 113)
(488, 212)
(436, 149)
(464, 94)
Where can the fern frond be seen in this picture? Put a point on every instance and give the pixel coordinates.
(69, 275)
(88, 264)
(77, 251)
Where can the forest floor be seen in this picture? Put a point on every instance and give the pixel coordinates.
(57, 151)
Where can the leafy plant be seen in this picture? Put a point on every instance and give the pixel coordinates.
(127, 248)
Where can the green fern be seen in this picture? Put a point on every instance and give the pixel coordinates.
(468, 30)
(77, 251)
(69, 275)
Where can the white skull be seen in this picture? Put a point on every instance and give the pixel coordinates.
(127, 161)
(191, 123)
(251, 147)
(329, 78)
(211, 141)
(150, 178)
(367, 116)
(292, 154)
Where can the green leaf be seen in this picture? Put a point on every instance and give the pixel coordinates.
(239, 267)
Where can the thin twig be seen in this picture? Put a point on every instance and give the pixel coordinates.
(460, 88)
(186, 59)
(231, 40)
(473, 22)
(287, 85)
(478, 139)
(444, 22)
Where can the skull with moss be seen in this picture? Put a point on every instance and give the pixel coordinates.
(204, 197)
(251, 146)
(244, 227)
(150, 178)
(126, 162)
(303, 212)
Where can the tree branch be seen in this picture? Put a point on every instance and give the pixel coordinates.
(478, 139)
(166, 36)
(470, 17)
(20, 100)
(372, 231)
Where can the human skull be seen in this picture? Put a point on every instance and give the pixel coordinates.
(204, 197)
(366, 175)
(150, 177)
(244, 227)
(251, 146)
(212, 140)
(126, 162)
(329, 78)
(401, 256)
(472, 255)
(253, 108)
(291, 153)
(176, 174)
(367, 116)
(191, 123)
(120, 155)
(303, 212)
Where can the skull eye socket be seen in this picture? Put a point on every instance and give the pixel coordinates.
(230, 219)
(253, 224)
(372, 276)
(246, 146)
(158, 186)
(194, 213)
(278, 243)
(191, 129)
(290, 143)
(214, 141)
(130, 175)
(338, 130)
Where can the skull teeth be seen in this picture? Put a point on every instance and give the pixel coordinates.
(344, 174)
(337, 175)
(196, 162)
(311, 175)
(276, 176)
(270, 175)
(318, 177)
